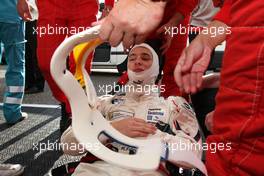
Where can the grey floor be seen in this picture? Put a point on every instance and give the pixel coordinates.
(21, 142)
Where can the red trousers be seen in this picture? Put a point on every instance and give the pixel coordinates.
(172, 56)
(239, 116)
(57, 20)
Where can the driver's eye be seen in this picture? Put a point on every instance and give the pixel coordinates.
(145, 58)
(132, 57)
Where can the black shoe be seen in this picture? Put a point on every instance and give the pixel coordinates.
(33, 90)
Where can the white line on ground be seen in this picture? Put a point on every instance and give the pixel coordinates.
(39, 106)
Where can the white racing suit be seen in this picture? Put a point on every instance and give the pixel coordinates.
(173, 117)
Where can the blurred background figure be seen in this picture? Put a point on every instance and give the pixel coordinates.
(12, 36)
(57, 20)
(176, 17)
(35, 82)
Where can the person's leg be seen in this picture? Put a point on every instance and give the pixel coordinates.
(171, 58)
(52, 30)
(12, 36)
(34, 79)
(238, 121)
(30, 76)
(81, 20)
(51, 18)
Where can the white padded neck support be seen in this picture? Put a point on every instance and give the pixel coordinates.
(88, 123)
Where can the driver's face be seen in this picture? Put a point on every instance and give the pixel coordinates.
(139, 59)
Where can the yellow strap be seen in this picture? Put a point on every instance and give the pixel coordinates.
(78, 55)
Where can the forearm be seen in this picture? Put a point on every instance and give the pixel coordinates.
(176, 19)
(221, 21)
(218, 36)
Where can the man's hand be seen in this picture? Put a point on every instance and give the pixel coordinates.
(192, 65)
(134, 127)
(105, 11)
(130, 21)
(195, 59)
(209, 121)
(23, 9)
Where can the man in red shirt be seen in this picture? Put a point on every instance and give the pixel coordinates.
(57, 20)
(238, 117)
(176, 16)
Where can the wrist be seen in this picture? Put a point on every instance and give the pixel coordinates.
(206, 40)
(214, 34)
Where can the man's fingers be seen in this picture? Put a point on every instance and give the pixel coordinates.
(209, 120)
(138, 134)
(139, 120)
(186, 83)
(199, 78)
(27, 16)
(193, 81)
(128, 40)
(144, 129)
(116, 36)
(24, 11)
(143, 126)
(188, 62)
(140, 38)
(106, 30)
(96, 23)
(178, 70)
(178, 75)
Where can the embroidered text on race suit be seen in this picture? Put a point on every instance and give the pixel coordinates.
(155, 115)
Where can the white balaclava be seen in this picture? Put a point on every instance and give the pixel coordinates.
(148, 76)
(145, 79)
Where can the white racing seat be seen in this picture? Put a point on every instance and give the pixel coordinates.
(88, 123)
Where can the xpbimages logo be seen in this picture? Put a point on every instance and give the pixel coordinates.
(57, 30)
(182, 30)
(210, 147)
(57, 146)
(137, 88)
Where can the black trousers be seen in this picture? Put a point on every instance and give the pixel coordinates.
(34, 77)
